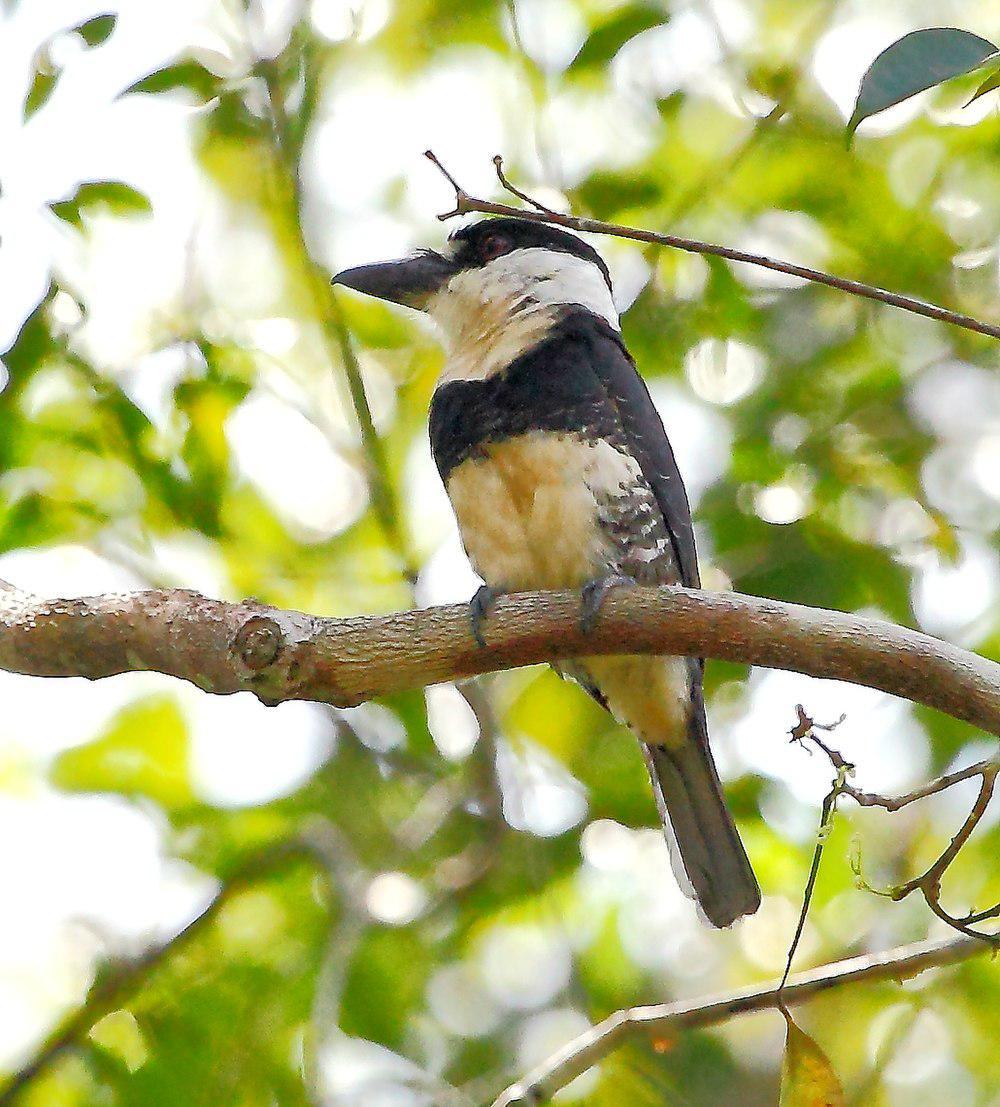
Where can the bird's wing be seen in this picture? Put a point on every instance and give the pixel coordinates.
(647, 442)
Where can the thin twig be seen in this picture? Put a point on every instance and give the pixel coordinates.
(939, 784)
(537, 205)
(462, 198)
(929, 882)
(383, 499)
(466, 204)
(804, 730)
(825, 824)
(661, 1020)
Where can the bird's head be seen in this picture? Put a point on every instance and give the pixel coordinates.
(516, 264)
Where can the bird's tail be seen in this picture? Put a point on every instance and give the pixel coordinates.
(695, 816)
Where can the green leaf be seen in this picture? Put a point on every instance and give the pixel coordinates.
(120, 1035)
(116, 196)
(97, 30)
(807, 1077)
(991, 82)
(184, 74)
(42, 85)
(917, 61)
(606, 40)
(384, 985)
(92, 31)
(145, 751)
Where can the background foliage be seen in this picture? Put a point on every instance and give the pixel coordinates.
(179, 404)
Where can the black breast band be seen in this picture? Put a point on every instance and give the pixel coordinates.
(552, 387)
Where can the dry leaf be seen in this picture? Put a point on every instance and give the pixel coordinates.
(807, 1078)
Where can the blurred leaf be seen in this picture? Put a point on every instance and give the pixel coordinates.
(43, 84)
(145, 751)
(97, 30)
(184, 74)
(120, 1035)
(991, 81)
(46, 73)
(607, 39)
(916, 62)
(208, 403)
(807, 1078)
(115, 196)
(231, 118)
(606, 194)
(385, 982)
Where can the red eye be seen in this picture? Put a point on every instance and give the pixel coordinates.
(493, 246)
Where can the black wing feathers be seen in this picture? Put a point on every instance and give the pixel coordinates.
(645, 437)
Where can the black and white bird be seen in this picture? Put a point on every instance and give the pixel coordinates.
(561, 476)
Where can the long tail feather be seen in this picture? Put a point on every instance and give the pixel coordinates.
(694, 813)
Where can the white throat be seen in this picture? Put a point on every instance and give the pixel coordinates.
(492, 314)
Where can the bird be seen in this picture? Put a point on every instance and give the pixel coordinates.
(561, 476)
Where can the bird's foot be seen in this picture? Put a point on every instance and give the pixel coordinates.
(594, 593)
(479, 607)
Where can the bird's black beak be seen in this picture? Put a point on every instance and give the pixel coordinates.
(410, 281)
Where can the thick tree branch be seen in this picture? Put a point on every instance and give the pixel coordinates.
(664, 1019)
(466, 204)
(279, 655)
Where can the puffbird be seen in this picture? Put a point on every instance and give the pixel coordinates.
(561, 475)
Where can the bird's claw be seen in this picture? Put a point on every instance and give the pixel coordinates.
(594, 593)
(479, 607)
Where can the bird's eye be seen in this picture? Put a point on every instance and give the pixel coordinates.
(493, 246)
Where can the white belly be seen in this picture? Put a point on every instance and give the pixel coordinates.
(528, 510)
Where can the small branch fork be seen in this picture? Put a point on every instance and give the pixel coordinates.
(466, 204)
(663, 1021)
(929, 883)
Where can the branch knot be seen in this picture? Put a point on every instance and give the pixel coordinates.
(259, 642)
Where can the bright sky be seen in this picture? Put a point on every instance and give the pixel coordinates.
(89, 874)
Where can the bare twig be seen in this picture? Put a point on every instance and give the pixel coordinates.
(663, 1019)
(929, 883)
(825, 824)
(122, 982)
(498, 162)
(804, 730)
(466, 204)
(462, 198)
(939, 784)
